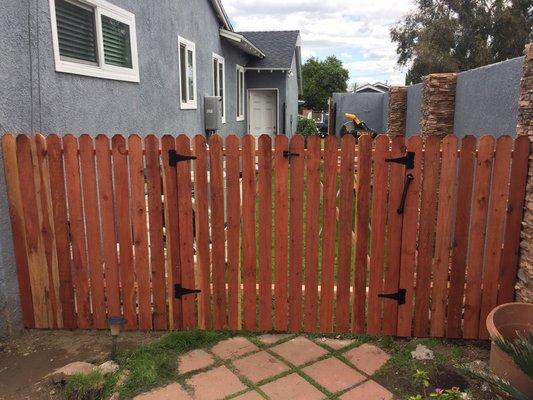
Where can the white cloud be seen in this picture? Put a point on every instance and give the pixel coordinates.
(351, 30)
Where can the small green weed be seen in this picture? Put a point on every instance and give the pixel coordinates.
(84, 387)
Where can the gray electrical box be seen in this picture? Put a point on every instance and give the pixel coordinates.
(213, 115)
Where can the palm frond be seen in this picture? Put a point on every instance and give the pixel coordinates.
(520, 350)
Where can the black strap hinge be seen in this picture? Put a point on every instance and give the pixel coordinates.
(289, 154)
(408, 160)
(180, 291)
(399, 296)
(174, 158)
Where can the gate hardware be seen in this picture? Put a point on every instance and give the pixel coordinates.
(288, 154)
(180, 291)
(399, 296)
(174, 158)
(408, 179)
(408, 160)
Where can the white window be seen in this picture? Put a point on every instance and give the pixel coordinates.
(240, 93)
(187, 63)
(219, 85)
(94, 38)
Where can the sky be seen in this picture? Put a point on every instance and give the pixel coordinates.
(355, 31)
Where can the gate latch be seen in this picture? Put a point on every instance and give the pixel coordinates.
(180, 291)
(399, 296)
(408, 160)
(174, 158)
(289, 154)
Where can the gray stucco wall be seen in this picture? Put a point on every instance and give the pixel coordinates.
(414, 110)
(367, 106)
(487, 99)
(291, 98)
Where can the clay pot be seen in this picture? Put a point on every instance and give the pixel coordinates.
(506, 321)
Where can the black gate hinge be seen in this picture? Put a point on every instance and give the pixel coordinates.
(180, 291)
(408, 160)
(174, 158)
(289, 154)
(399, 296)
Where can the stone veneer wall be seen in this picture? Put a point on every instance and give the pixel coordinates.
(438, 104)
(524, 286)
(397, 110)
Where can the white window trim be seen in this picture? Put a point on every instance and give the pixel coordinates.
(103, 70)
(239, 70)
(189, 104)
(221, 60)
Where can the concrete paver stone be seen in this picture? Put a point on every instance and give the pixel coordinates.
(333, 374)
(291, 387)
(369, 390)
(194, 360)
(299, 350)
(233, 348)
(259, 366)
(170, 392)
(367, 358)
(215, 384)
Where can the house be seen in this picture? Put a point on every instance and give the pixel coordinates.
(377, 87)
(93, 66)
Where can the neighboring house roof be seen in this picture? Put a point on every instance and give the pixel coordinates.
(376, 87)
(278, 47)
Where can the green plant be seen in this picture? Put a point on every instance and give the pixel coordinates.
(84, 387)
(307, 127)
(520, 350)
(421, 379)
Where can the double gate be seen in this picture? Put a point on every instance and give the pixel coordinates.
(406, 237)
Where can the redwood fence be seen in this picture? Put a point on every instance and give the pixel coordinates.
(406, 237)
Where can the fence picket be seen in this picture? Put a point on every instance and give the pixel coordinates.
(296, 148)
(265, 231)
(281, 215)
(328, 233)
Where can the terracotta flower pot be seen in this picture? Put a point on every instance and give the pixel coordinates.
(506, 321)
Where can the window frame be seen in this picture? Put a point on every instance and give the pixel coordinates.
(189, 104)
(220, 61)
(101, 70)
(242, 93)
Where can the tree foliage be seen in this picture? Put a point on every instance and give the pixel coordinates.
(456, 35)
(321, 79)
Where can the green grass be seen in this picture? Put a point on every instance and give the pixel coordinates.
(85, 387)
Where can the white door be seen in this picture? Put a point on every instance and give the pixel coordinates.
(263, 112)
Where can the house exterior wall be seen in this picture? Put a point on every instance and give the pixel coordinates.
(291, 99)
(37, 98)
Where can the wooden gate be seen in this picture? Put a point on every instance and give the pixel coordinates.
(392, 236)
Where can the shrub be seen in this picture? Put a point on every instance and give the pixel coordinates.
(307, 127)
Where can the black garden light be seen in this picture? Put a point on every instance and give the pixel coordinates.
(115, 325)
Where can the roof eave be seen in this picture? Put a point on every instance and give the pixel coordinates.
(241, 42)
(221, 14)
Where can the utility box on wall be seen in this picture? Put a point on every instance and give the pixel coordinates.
(213, 116)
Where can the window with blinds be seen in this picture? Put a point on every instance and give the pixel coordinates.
(187, 73)
(94, 38)
(219, 75)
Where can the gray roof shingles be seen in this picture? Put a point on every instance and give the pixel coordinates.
(278, 47)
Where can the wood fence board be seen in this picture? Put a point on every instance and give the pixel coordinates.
(328, 233)
(61, 230)
(426, 236)
(186, 236)
(362, 213)
(444, 228)
(394, 237)
(139, 231)
(123, 222)
(265, 231)
(481, 198)
(311, 236)
(281, 215)
(109, 234)
(203, 252)
(248, 233)
(155, 221)
(173, 264)
(342, 317)
(218, 238)
(296, 222)
(77, 232)
(18, 230)
(409, 239)
(515, 206)
(377, 245)
(233, 216)
(496, 227)
(92, 229)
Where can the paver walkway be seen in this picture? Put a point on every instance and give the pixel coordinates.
(278, 367)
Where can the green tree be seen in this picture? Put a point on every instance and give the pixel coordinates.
(456, 35)
(321, 79)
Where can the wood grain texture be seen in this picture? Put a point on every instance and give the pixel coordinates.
(346, 208)
(328, 233)
(311, 236)
(444, 230)
(281, 237)
(233, 216)
(460, 238)
(265, 231)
